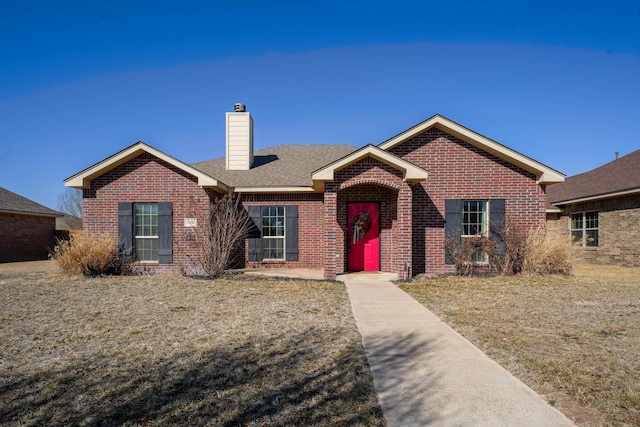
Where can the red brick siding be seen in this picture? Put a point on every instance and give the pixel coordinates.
(459, 170)
(370, 180)
(26, 237)
(310, 228)
(147, 179)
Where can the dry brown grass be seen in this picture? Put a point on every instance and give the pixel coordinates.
(166, 351)
(575, 339)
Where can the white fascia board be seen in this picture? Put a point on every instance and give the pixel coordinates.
(544, 174)
(84, 178)
(411, 172)
(275, 190)
(598, 197)
(50, 215)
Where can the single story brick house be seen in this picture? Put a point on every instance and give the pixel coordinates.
(338, 208)
(27, 229)
(601, 210)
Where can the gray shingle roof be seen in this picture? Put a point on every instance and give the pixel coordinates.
(279, 166)
(12, 202)
(619, 175)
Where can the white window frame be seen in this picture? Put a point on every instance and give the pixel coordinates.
(140, 237)
(480, 257)
(282, 238)
(583, 229)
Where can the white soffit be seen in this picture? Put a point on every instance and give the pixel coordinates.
(411, 172)
(544, 174)
(84, 178)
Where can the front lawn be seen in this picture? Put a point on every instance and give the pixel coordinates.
(575, 339)
(166, 351)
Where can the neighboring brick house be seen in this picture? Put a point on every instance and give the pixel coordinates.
(27, 229)
(338, 208)
(601, 210)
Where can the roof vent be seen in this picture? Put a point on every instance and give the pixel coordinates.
(239, 108)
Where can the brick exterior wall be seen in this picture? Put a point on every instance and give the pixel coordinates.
(310, 228)
(618, 230)
(147, 179)
(26, 237)
(412, 217)
(458, 170)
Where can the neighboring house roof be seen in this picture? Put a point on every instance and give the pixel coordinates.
(544, 174)
(83, 179)
(617, 178)
(13, 203)
(410, 172)
(281, 168)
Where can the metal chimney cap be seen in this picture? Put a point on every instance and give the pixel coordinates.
(239, 108)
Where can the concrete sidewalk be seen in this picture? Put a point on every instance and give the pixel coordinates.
(426, 374)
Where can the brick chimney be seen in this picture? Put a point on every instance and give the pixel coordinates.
(239, 139)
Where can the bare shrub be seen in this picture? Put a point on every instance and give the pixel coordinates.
(512, 250)
(222, 235)
(87, 254)
(548, 253)
(464, 253)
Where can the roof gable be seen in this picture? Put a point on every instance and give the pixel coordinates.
(83, 179)
(617, 178)
(543, 173)
(410, 172)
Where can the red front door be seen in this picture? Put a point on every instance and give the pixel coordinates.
(363, 249)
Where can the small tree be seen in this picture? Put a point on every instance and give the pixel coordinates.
(70, 203)
(222, 235)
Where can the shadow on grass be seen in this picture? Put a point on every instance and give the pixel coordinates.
(283, 380)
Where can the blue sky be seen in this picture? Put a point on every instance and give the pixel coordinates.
(557, 81)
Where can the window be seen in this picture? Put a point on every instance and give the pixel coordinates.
(465, 219)
(273, 232)
(474, 218)
(274, 235)
(474, 223)
(146, 231)
(584, 228)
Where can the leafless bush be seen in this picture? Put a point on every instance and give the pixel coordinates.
(87, 254)
(470, 254)
(222, 235)
(512, 250)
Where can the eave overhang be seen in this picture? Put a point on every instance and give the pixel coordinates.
(543, 173)
(83, 179)
(411, 173)
(585, 199)
(17, 212)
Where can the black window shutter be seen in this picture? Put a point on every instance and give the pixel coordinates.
(452, 214)
(291, 230)
(125, 230)
(165, 232)
(497, 224)
(254, 240)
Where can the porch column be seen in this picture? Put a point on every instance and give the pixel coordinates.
(331, 229)
(404, 243)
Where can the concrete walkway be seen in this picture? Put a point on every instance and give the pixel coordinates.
(426, 374)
